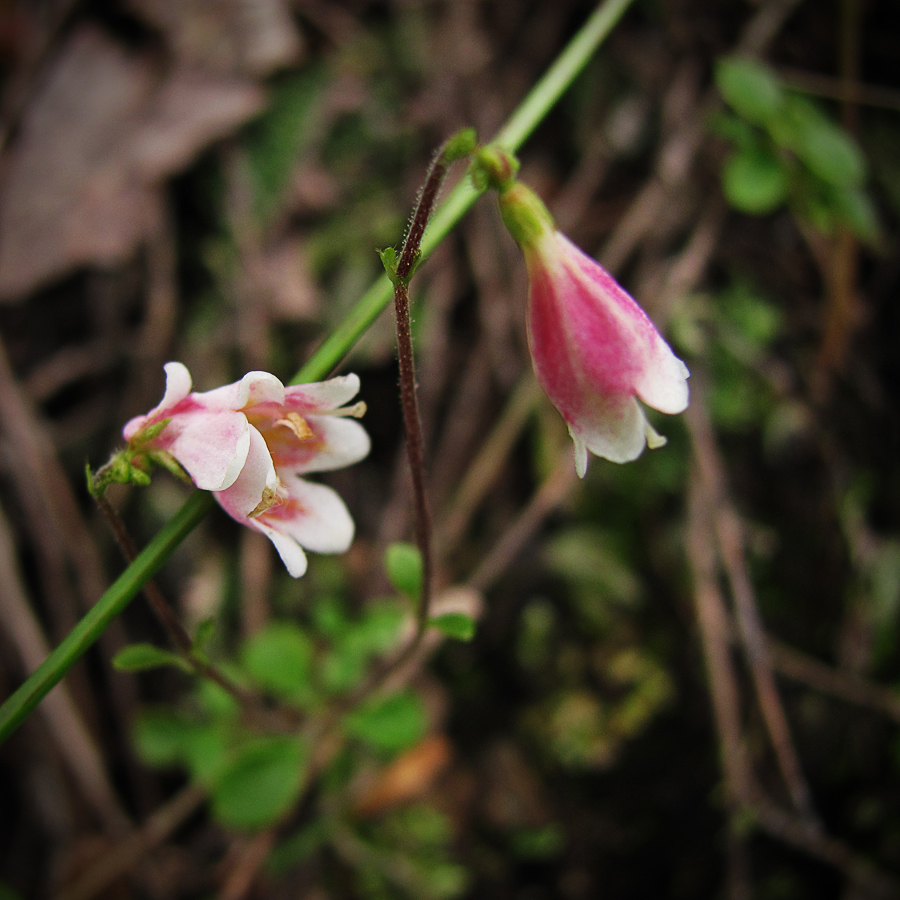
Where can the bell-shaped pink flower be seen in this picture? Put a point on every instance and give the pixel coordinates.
(595, 351)
(249, 442)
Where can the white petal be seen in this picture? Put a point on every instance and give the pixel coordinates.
(581, 454)
(254, 388)
(178, 384)
(662, 382)
(615, 433)
(340, 442)
(212, 446)
(322, 396)
(289, 550)
(313, 515)
(261, 387)
(256, 479)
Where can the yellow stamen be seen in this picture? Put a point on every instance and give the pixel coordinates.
(357, 411)
(269, 497)
(298, 425)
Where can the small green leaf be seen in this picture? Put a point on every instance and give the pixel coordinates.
(828, 151)
(750, 88)
(159, 737)
(215, 701)
(137, 657)
(208, 749)
(342, 668)
(729, 127)
(856, 210)
(279, 659)
(379, 628)
(389, 724)
(455, 625)
(260, 783)
(329, 619)
(754, 181)
(389, 261)
(403, 564)
(203, 635)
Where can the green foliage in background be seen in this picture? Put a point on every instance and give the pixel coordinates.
(786, 151)
(254, 762)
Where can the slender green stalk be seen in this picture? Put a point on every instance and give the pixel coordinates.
(521, 124)
(119, 595)
(529, 114)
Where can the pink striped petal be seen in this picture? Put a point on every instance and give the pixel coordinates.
(337, 443)
(212, 446)
(178, 387)
(322, 396)
(254, 389)
(257, 481)
(594, 349)
(313, 515)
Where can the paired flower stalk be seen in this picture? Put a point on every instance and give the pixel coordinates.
(594, 350)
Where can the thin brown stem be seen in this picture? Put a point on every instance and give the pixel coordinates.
(415, 449)
(124, 855)
(415, 444)
(421, 214)
(166, 615)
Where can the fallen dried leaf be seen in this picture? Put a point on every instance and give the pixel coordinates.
(281, 276)
(82, 182)
(407, 777)
(225, 35)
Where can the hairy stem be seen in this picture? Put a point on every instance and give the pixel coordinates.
(164, 612)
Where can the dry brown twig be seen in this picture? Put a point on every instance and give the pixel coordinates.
(127, 853)
(713, 623)
(74, 742)
(730, 544)
(722, 530)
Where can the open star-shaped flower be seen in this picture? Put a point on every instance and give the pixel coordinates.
(250, 442)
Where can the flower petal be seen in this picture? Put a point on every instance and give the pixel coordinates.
(254, 389)
(178, 384)
(256, 482)
(313, 515)
(337, 443)
(178, 387)
(662, 382)
(616, 432)
(212, 446)
(289, 550)
(322, 396)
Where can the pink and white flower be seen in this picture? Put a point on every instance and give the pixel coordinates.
(595, 351)
(249, 443)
